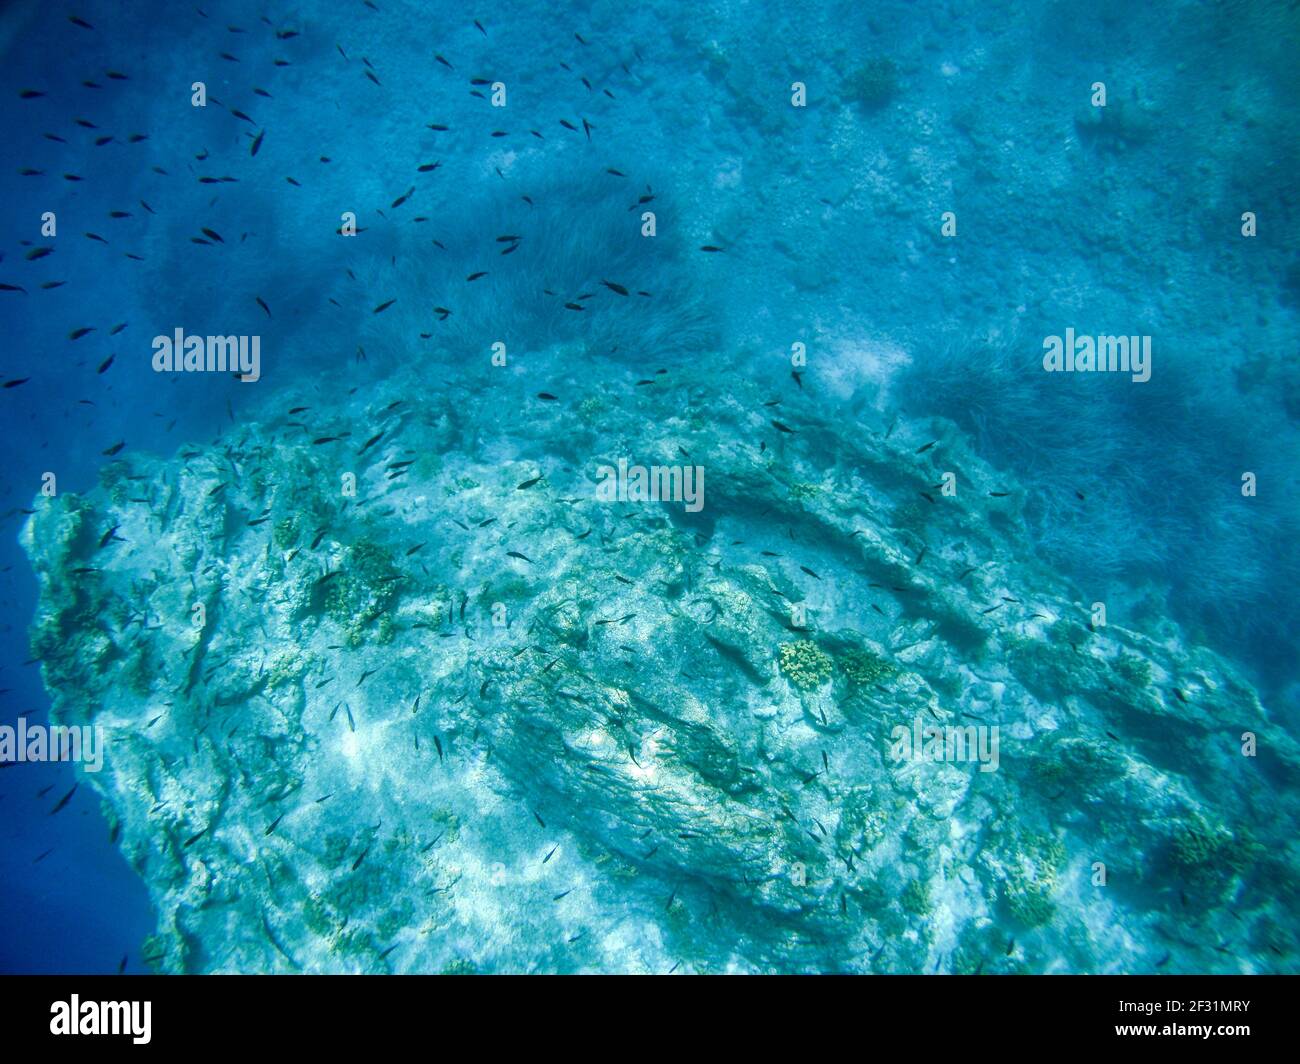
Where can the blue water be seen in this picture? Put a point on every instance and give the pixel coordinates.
(828, 218)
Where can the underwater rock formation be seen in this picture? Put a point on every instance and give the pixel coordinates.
(472, 718)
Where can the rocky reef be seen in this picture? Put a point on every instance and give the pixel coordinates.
(386, 687)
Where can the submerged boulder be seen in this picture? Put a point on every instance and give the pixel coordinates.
(471, 717)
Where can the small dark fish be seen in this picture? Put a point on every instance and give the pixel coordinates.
(810, 572)
(710, 247)
(64, 800)
(383, 306)
(111, 450)
(274, 824)
(257, 143)
(922, 450)
(516, 554)
(550, 855)
(528, 483)
(546, 396)
(782, 428)
(103, 366)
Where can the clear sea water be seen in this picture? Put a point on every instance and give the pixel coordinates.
(1129, 219)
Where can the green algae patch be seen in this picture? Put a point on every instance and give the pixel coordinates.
(865, 667)
(1134, 671)
(874, 84)
(1210, 855)
(362, 592)
(1027, 864)
(915, 898)
(805, 664)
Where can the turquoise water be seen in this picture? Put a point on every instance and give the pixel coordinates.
(810, 257)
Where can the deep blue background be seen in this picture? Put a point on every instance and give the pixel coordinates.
(830, 217)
